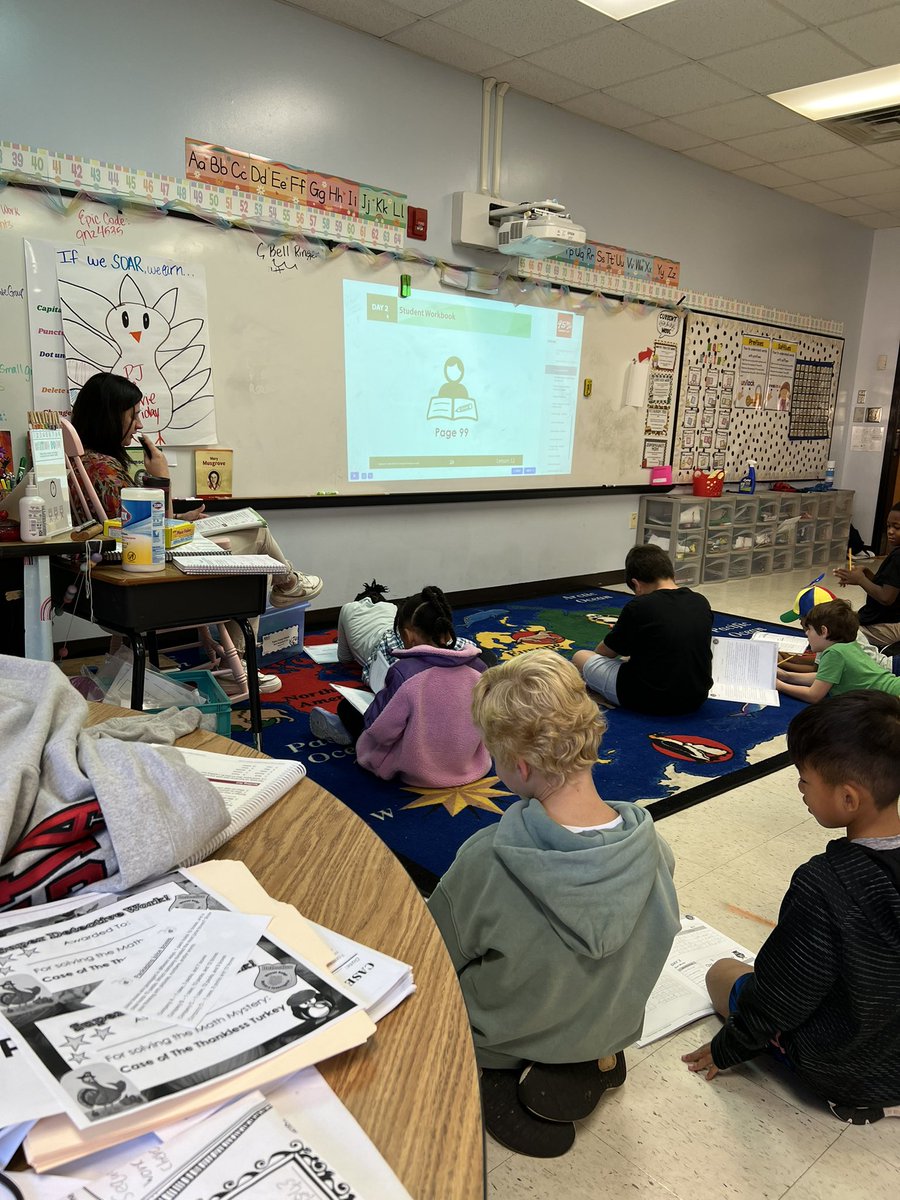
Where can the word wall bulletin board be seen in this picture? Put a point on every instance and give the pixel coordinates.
(754, 391)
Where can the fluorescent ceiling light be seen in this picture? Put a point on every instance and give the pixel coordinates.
(620, 9)
(849, 94)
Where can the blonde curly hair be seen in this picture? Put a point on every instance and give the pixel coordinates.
(535, 707)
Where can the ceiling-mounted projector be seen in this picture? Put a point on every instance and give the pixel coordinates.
(538, 233)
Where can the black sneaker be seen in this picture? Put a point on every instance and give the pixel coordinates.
(513, 1126)
(861, 1116)
(568, 1091)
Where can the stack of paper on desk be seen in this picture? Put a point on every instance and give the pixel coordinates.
(148, 1008)
(377, 981)
(680, 996)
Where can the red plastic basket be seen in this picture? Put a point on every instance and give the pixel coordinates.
(708, 485)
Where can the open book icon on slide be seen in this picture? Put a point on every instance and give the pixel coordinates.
(453, 402)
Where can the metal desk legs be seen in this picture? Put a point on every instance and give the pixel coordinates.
(252, 681)
(139, 670)
(38, 608)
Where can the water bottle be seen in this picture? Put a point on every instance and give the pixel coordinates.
(829, 473)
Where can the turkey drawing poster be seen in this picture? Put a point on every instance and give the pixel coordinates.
(132, 314)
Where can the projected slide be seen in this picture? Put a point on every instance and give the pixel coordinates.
(453, 387)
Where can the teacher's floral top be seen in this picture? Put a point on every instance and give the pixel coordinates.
(108, 477)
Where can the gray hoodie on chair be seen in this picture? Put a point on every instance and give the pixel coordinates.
(78, 810)
(557, 937)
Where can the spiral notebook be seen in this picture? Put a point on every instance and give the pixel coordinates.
(247, 785)
(231, 564)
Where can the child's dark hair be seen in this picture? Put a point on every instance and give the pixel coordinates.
(373, 591)
(854, 738)
(97, 414)
(837, 617)
(648, 564)
(429, 613)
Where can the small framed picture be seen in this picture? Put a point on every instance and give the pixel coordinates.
(690, 420)
(721, 441)
(726, 399)
(712, 379)
(687, 439)
(692, 398)
(703, 462)
(873, 416)
(694, 376)
(723, 421)
(718, 461)
(686, 461)
(706, 441)
(710, 398)
(708, 419)
(728, 381)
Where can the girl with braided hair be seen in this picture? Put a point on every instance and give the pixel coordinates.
(419, 726)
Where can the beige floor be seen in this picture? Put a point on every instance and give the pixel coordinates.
(751, 1133)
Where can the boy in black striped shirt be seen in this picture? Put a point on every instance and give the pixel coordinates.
(824, 995)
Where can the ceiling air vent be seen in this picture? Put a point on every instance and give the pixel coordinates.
(868, 128)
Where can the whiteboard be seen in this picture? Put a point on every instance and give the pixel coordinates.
(276, 348)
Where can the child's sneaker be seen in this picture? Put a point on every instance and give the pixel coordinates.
(513, 1126)
(861, 1116)
(569, 1091)
(328, 727)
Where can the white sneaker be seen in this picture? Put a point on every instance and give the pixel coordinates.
(298, 587)
(328, 727)
(267, 683)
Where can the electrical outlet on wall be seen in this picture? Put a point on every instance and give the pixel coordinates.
(632, 524)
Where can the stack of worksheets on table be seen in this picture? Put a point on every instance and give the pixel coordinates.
(169, 1034)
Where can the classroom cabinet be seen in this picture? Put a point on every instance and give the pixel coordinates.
(711, 539)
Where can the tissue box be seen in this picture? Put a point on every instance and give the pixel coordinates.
(280, 633)
(178, 532)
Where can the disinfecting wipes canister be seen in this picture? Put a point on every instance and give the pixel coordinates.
(143, 529)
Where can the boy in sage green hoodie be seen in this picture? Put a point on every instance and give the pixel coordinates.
(558, 918)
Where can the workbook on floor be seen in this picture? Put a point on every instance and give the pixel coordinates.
(231, 564)
(743, 670)
(680, 996)
(247, 785)
(230, 522)
(360, 698)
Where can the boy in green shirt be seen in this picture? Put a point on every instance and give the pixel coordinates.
(843, 665)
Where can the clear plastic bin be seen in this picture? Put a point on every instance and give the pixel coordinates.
(783, 560)
(745, 509)
(803, 556)
(761, 562)
(827, 504)
(824, 530)
(739, 566)
(720, 512)
(687, 574)
(715, 570)
(768, 510)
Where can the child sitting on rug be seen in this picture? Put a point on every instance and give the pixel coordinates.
(419, 725)
(842, 664)
(880, 615)
(559, 917)
(658, 656)
(824, 995)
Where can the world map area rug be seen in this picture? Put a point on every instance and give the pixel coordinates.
(666, 763)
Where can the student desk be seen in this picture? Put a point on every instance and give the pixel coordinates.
(134, 604)
(413, 1087)
(31, 571)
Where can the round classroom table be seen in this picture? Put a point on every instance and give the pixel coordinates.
(414, 1086)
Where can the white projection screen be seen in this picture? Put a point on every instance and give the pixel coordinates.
(326, 379)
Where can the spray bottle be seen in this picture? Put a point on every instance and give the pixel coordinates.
(748, 484)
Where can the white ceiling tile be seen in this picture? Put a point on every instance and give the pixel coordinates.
(768, 175)
(788, 62)
(818, 12)
(867, 182)
(422, 8)
(812, 193)
(726, 158)
(664, 133)
(678, 90)
(756, 114)
(884, 201)
(874, 36)
(699, 28)
(370, 16)
(600, 107)
(847, 207)
(535, 81)
(610, 56)
(435, 41)
(887, 152)
(879, 221)
(522, 26)
(834, 164)
(797, 142)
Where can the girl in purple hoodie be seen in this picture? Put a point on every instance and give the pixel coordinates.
(419, 726)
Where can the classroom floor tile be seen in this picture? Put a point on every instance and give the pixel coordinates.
(754, 1132)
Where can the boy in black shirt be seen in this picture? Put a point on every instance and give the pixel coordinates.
(665, 634)
(824, 995)
(879, 617)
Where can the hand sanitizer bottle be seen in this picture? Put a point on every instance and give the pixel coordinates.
(32, 514)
